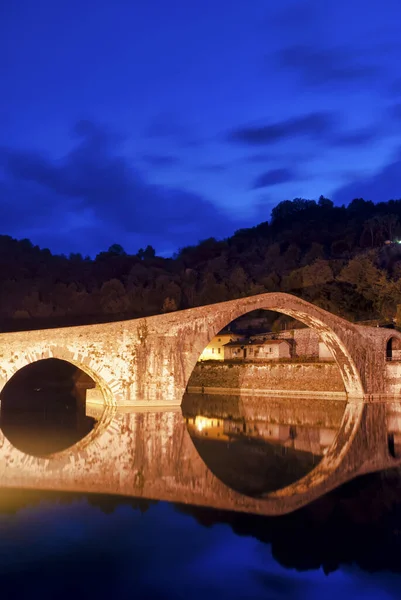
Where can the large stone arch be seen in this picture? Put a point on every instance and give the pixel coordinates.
(347, 344)
(352, 353)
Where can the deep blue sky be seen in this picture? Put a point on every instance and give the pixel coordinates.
(166, 122)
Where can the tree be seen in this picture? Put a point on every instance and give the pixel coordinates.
(169, 305)
(397, 318)
(315, 251)
(237, 281)
(287, 210)
(325, 202)
(117, 250)
(372, 226)
(113, 298)
(149, 252)
(318, 273)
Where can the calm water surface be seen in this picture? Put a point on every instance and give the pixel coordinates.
(58, 545)
(346, 545)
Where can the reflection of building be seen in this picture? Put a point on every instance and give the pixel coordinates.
(215, 349)
(257, 350)
(205, 427)
(306, 438)
(394, 430)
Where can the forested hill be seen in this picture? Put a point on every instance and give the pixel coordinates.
(336, 257)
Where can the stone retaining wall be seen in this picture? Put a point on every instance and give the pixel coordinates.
(302, 377)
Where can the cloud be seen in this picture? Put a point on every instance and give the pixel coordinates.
(298, 14)
(274, 157)
(168, 126)
(395, 87)
(355, 138)
(395, 111)
(160, 160)
(165, 125)
(214, 168)
(321, 66)
(95, 191)
(274, 177)
(384, 185)
(260, 157)
(315, 125)
(281, 585)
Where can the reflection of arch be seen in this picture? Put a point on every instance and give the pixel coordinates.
(343, 339)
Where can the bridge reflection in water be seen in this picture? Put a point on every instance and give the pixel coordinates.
(256, 445)
(260, 455)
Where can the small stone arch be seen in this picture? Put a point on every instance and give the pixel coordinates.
(83, 363)
(393, 347)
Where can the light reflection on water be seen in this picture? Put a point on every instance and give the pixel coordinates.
(257, 445)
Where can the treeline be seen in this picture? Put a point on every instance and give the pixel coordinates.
(336, 257)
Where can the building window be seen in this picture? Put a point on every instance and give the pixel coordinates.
(218, 350)
(212, 350)
(219, 340)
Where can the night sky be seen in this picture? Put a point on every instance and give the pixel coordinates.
(166, 122)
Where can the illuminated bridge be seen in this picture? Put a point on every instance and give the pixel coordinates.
(142, 446)
(148, 361)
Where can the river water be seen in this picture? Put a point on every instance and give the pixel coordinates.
(160, 504)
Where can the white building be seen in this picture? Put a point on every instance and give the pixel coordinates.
(215, 348)
(257, 350)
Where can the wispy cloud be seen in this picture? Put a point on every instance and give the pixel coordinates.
(315, 125)
(95, 179)
(322, 66)
(274, 177)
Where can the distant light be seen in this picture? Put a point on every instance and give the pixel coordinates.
(201, 423)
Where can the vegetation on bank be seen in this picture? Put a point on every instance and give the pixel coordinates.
(335, 257)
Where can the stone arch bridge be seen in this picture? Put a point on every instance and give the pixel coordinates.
(148, 361)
